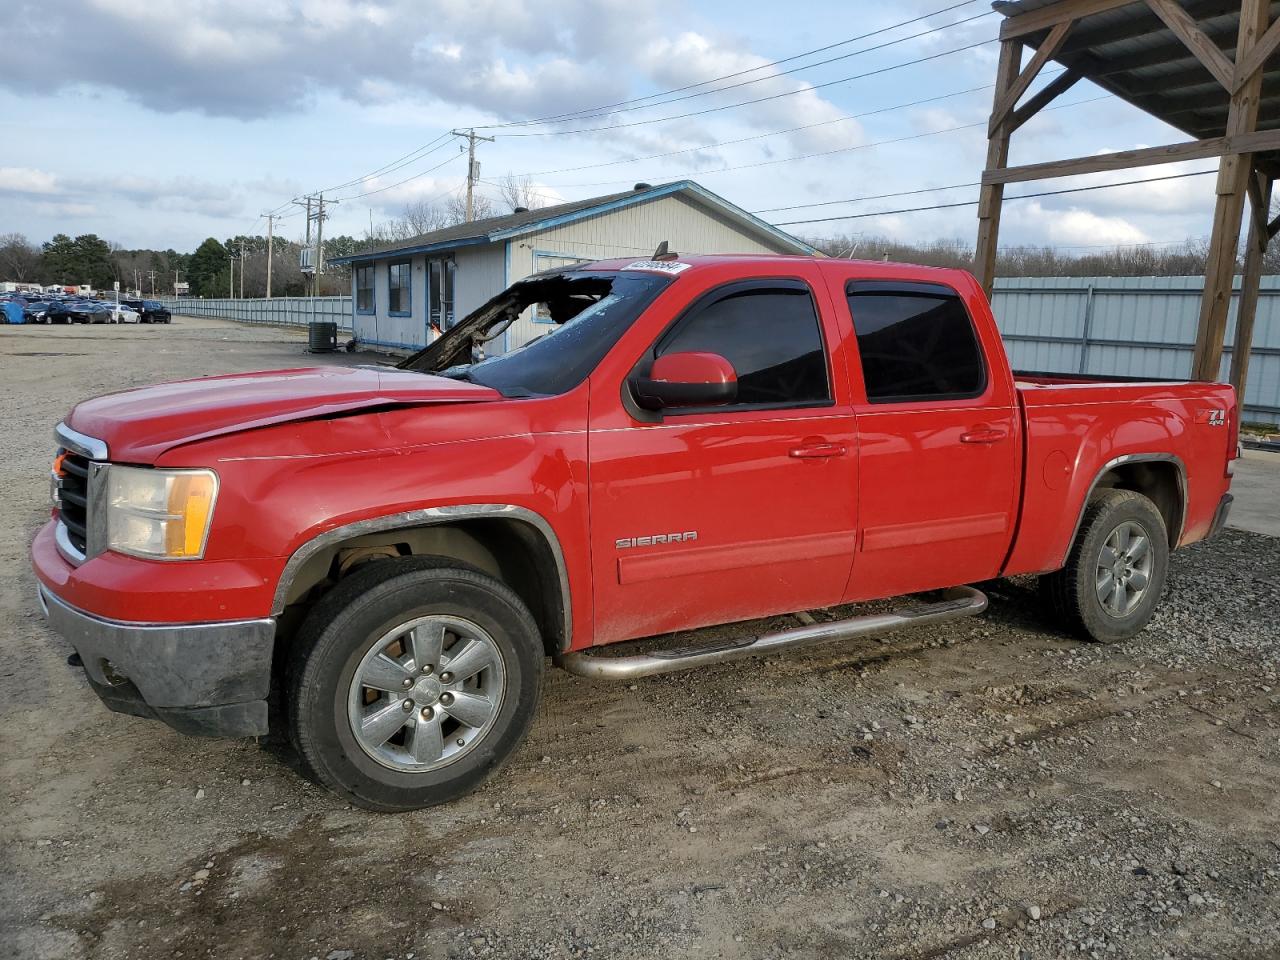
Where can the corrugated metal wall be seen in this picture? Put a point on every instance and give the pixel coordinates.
(1131, 326)
(280, 311)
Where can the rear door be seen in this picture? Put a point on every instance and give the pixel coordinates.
(702, 516)
(940, 449)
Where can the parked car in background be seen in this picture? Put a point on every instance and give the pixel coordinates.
(151, 311)
(122, 313)
(58, 312)
(87, 311)
(37, 311)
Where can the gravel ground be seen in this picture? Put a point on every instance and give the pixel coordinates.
(985, 789)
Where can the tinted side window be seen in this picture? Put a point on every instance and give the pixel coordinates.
(916, 344)
(772, 338)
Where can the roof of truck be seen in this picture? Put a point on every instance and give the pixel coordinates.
(764, 263)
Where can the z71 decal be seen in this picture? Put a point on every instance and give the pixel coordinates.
(1214, 418)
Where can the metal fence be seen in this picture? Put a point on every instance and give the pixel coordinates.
(1111, 326)
(280, 311)
(1131, 326)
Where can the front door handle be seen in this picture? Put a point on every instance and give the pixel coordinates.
(983, 435)
(818, 451)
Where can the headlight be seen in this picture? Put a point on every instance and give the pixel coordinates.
(162, 514)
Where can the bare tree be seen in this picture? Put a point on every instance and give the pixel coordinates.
(519, 192)
(456, 207)
(19, 257)
(424, 216)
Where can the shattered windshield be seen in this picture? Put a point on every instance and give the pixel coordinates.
(584, 313)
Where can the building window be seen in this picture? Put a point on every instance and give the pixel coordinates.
(550, 261)
(399, 291)
(364, 290)
(916, 342)
(440, 293)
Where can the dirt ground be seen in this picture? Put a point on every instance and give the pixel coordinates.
(985, 789)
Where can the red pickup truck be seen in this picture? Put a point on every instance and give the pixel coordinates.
(387, 555)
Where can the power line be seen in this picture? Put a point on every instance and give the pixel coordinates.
(575, 114)
(746, 103)
(762, 136)
(974, 203)
(436, 144)
(404, 161)
(877, 196)
(834, 151)
(772, 76)
(400, 183)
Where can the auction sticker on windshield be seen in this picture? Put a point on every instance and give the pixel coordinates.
(658, 266)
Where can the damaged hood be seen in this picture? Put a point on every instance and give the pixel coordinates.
(139, 425)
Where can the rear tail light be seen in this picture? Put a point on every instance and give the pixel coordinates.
(1234, 450)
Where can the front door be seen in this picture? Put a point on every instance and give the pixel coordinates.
(703, 516)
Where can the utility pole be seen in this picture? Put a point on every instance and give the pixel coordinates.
(231, 292)
(317, 250)
(473, 166)
(271, 219)
(319, 254)
(307, 204)
(151, 275)
(242, 268)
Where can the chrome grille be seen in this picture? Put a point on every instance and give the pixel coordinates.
(73, 499)
(78, 478)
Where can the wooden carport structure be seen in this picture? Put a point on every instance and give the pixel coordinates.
(1203, 66)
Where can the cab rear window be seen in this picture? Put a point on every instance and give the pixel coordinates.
(916, 341)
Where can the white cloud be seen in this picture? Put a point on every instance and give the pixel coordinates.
(78, 196)
(691, 57)
(1075, 226)
(27, 180)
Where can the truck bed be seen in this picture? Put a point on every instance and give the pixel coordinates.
(1079, 427)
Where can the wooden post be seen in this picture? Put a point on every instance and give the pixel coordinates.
(992, 194)
(1256, 247)
(1234, 171)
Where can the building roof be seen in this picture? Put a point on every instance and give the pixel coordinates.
(494, 229)
(1125, 48)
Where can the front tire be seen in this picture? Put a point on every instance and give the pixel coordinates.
(412, 682)
(1115, 572)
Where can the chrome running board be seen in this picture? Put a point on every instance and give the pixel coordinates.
(956, 602)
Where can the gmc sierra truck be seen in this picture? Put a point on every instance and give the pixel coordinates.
(388, 555)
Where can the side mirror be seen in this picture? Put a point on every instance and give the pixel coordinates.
(686, 380)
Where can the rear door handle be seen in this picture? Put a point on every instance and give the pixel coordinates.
(817, 451)
(984, 435)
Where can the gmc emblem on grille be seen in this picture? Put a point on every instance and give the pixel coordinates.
(655, 538)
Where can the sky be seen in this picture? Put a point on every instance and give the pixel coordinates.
(159, 124)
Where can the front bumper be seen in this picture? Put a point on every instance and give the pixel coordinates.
(202, 679)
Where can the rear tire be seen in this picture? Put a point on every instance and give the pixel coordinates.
(1116, 570)
(363, 641)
